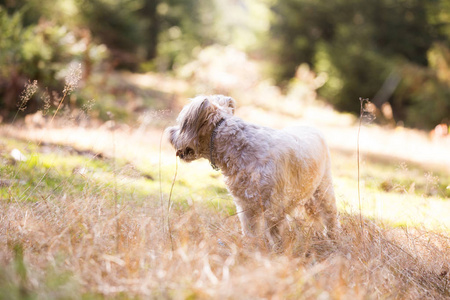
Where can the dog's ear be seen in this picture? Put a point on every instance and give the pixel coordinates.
(227, 104)
(231, 104)
(205, 105)
(195, 116)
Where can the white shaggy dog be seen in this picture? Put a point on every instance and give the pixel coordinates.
(269, 172)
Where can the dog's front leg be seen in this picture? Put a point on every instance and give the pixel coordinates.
(250, 219)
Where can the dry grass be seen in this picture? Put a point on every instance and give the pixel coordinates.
(69, 247)
(76, 244)
(70, 243)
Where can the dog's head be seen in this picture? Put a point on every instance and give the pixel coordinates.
(196, 121)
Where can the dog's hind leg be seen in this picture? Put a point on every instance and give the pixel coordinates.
(326, 201)
(273, 230)
(274, 223)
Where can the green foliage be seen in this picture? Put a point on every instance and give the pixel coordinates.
(423, 97)
(35, 52)
(152, 34)
(184, 25)
(351, 72)
(387, 27)
(115, 23)
(359, 44)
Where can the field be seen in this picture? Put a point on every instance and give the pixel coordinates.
(98, 211)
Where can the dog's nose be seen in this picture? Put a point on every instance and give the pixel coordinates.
(187, 151)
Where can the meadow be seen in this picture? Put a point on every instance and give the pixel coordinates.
(93, 210)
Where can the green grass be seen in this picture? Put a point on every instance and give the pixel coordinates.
(392, 191)
(61, 172)
(396, 192)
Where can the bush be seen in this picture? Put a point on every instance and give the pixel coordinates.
(422, 99)
(38, 52)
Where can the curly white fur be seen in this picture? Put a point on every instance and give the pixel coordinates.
(269, 172)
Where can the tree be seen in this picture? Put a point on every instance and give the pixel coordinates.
(359, 44)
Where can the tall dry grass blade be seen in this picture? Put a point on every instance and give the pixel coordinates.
(160, 182)
(169, 204)
(58, 108)
(115, 186)
(361, 101)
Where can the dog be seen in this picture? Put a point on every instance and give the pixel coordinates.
(268, 172)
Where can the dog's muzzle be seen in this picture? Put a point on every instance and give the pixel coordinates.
(186, 152)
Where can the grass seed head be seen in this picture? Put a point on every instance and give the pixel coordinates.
(28, 92)
(73, 78)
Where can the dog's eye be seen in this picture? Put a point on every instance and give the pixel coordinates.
(189, 151)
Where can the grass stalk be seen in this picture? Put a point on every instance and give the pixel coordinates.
(361, 101)
(59, 107)
(116, 202)
(160, 182)
(169, 204)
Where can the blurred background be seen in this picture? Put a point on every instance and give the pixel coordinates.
(142, 55)
(86, 176)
